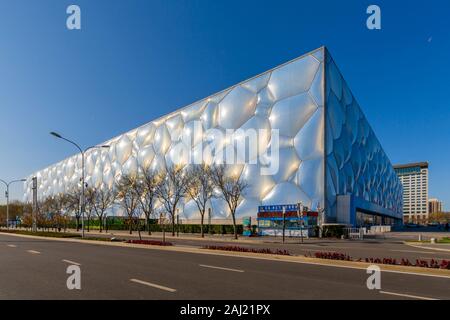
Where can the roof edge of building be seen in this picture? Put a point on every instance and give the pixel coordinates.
(423, 164)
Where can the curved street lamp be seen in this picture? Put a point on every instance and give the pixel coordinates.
(7, 184)
(82, 197)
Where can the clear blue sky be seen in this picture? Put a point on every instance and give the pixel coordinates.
(136, 60)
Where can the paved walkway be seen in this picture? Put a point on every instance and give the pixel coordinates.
(197, 237)
(414, 235)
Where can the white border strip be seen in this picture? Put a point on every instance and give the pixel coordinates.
(220, 268)
(71, 262)
(407, 295)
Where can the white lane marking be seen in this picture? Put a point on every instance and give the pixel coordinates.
(220, 268)
(33, 251)
(153, 285)
(407, 295)
(71, 262)
(12, 246)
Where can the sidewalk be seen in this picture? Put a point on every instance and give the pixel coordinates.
(228, 238)
(197, 237)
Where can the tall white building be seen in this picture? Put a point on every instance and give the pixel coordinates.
(414, 178)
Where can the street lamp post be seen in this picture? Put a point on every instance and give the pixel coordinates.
(7, 184)
(178, 222)
(300, 218)
(320, 219)
(82, 197)
(284, 221)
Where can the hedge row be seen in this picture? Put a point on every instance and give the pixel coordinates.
(196, 228)
(331, 231)
(183, 228)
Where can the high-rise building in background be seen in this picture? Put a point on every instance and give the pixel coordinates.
(434, 205)
(328, 154)
(414, 178)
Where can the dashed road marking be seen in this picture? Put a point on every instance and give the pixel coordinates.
(71, 262)
(12, 246)
(33, 251)
(153, 285)
(220, 268)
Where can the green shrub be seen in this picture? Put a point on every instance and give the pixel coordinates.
(193, 228)
(44, 233)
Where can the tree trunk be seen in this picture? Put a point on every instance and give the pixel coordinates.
(138, 225)
(234, 226)
(201, 225)
(78, 223)
(164, 232)
(100, 222)
(88, 223)
(148, 225)
(173, 224)
(130, 223)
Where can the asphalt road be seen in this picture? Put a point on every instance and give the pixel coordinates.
(36, 269)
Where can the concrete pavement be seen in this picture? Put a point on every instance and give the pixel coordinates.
(124, 273)
(376, 248)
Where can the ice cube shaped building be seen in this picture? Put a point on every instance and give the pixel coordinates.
(303, 111)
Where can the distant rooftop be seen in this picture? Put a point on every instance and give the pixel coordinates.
(411, 165)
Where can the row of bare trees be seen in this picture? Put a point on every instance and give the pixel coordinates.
(148, 192)
(200, 183)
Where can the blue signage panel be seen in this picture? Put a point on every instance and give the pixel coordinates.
(278, 208)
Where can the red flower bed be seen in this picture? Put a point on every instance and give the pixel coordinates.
(252, 250)
(443, 264)
(151, 242)
(382, 261)
(332, 256)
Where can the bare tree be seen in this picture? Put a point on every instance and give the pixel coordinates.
(201, 189)
(73, 204)
(104, 199)
(172, 189)
(46, 216)
(146, 187)
(89, 199)
(231, 188)
(67, 208)
(128, 199)
(52, 206)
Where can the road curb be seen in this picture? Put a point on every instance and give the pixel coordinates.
(443, 273)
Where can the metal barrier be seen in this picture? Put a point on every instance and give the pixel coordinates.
(360, 233)
(355, 233)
